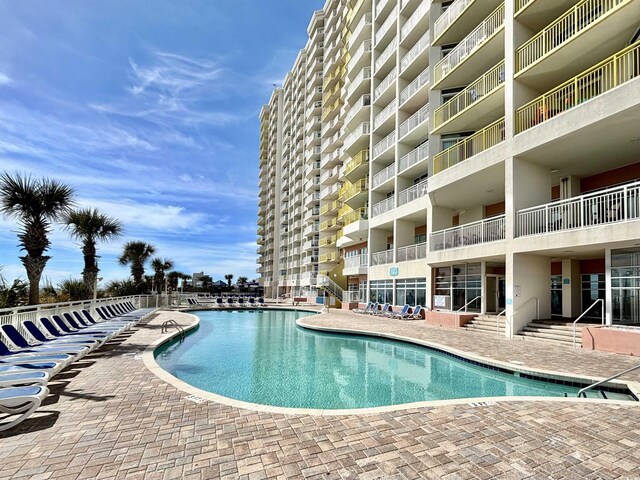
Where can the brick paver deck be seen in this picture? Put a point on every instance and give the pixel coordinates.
(109, 417)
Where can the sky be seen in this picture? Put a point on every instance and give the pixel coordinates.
(148, 109)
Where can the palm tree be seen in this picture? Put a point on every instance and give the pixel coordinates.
(90, 226)
(136, 253)
(242, 280)
(160, 266)
(228, 277)
(36, 204)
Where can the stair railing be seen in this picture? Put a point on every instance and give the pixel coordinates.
(498, 323)
(331, 286)
(583, 314)
(510, 317)
(583, 392)
(468, 303)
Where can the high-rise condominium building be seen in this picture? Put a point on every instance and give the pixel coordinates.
(478, 155)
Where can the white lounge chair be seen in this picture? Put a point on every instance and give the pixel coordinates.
(23, 377)
(22, 401)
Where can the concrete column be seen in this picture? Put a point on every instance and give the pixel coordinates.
(527, 277)
(429, 286)
(570, 291)
(608, 302)
(483, 287)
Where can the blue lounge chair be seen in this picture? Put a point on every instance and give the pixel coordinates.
(22, 401)
(401, 313)
(23, 377)
(384, 310)
(363, 310)
(50, 367)
(261, 302)
(416, 314)
(19, 341)
(14, 357)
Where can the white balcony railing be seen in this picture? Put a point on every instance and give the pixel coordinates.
(385, 113)
(384, 206)
(382, 258)
(414, 19)
(362, 24)
(412, 252)
(384, 84)
(365, 74)
(416, 50)
(386, 26)
(445, 20)
(384, 56)
(362, 129)
(384, 144)
(383, 175)
(356, 261)
(612, 205)
(362, 102)
(416, 155)
(419, 82)
(482, 231)
(412, 193)
(413, 121)
(380, 6)
(363, 49)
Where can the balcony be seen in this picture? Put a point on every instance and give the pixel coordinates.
(327, 193)
(354, 137)
(384, 206)
(359, 110)
(329, 257)
(483, 231)
(385, 144)
(385, 28)
(361, 58)
(594, 26)
(481, 96)
(354, 86)
(380, 65)
(409, 253)
(385, 114)
(420, 49)
(356, 265)
(608, 206)
(413, 193)
(385, 84)
(357, 192)
(419, 83)
(408, 129)
(380, 6)
(460, 18)
(382, 258)
(449, 72)
(470, 146)
(608, 74)
(415, 156)
(330, 225)
(328, 241)
(357, 166)
(382, 176)
(330, 207)
(363, 28)
(414, 20)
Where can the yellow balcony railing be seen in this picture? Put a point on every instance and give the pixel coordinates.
(473, 93)
(330, 207)
(358, 159)
(344, 189)
(606, 75)
(329, 257)
(464, 149)
(327, 110)
(331, 223)
(354, 216)
(328, 241)
(358, 187)
(573, 21)
(520, 4)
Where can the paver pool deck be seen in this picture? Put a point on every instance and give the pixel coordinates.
(109, 417)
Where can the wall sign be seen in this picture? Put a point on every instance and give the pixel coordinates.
(566, 281)
(394, 271)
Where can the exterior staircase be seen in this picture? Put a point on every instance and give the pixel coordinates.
(487, 324)
(325, 284)
(559, 332)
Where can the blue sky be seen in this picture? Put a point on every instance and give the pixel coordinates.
(149, 109)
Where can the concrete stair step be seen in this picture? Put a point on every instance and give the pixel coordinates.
(545, 340)
(484, 328)
(489, 317)
(548, 331)
(485, 322)
(562, 327)
(550, 336)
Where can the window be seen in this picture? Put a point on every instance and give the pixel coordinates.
(459, 284)
(625, 285)
(381, 291)
(593, 288)
(451, 140)
(556, 295)
(412, 291)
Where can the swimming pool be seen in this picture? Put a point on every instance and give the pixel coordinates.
(262, 356)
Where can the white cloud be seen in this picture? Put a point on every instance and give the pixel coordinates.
(4, 79)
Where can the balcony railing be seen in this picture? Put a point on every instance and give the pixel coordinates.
(362, 129)
(470, 146)
(364, 48)
(415, 18)
(351, 296)
(383, 175)
(412, 193)
(384, 56)
(382, 258)
(357, 188)
(412, 252)
(364, 74)
(419, 82)
(380, 6)
(364, 22)
(445, 20)
(385, 113)
(520, 4)
(355, 216)
(608, 74)
(612, 205)
(573, 21)
(470, 95)
(413, 121)
(416, 155)
(384, 144)
(384, 28)
(383, 207)
(384, 84)
(483, 231)
(362, 102)
(360, 158)
(486, 29)
(415, 51)
(356, 261)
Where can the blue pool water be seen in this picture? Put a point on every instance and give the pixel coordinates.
(261, 356)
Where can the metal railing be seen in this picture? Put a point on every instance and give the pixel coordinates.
(364, 48)
(383, 175)
(351, 296)
(498, 322)
(422, 45)
(364, 74)
(412, 252)
(362, 129)
(414, 192)
(611, 205)
(572, 22)
(414, 121)
(331, 286)
(358, 187)
(359, 105)
(470, 95)
(417, 155)
(173, 323)
(482, 231)
(385, 83)
(471, 42)
(356, 261)
(383, 206)
(354, 216)
(606, 75)
(414, 19)
(510, 317)
(464, 307)
(385, 113)
(445, 20)
(583, 391)
(470, 146)
(358, 159)
(600, 300)
(384, 144)
(382, 258)
(410, 90)
(386, 54)
(384, 28)
(520, 4)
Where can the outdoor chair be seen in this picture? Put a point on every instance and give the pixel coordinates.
(22, 401)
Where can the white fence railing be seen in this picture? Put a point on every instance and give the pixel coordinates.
(450, 14)
(384, 56)
(416, 155)
(383, 206)
(483, 231)
(412, 252)
(413, 121)
(385, 113)
(612, 205)
(382, 258)
(419, 82)
(422, 45)
(414, 19)
(412, 193)
(384, 84)
(383, 175)
(384, 144)
(356, 261)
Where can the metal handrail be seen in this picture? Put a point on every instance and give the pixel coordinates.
(583, 314)
(510, 317)
(165, 327)
(613, 377)
(498, 323)
(468, 303)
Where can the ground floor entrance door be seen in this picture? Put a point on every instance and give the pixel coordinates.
(496, 287)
